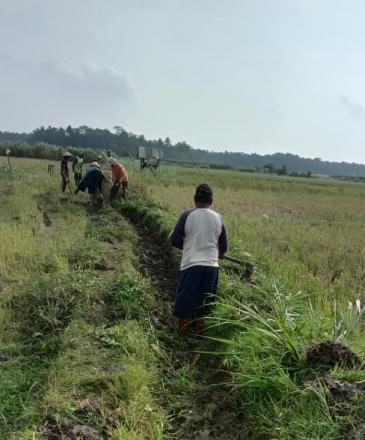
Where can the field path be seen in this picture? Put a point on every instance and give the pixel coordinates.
(203, 409)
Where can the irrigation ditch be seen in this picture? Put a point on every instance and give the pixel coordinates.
(203, 407)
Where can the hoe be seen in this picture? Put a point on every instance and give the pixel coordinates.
(247, 268)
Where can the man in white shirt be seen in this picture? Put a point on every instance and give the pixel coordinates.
(201, 235)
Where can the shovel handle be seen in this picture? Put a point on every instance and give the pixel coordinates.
(234, 259)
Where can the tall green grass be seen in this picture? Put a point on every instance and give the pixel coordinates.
(75, 340)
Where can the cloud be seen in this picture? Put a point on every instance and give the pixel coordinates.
(66, 79)
(88, 80)
(62, 92)
(354, 109)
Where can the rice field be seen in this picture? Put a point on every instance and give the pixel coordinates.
(309, 233)
(306, 238)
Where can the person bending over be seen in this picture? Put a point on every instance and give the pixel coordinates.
(120, 179)
(92, 180)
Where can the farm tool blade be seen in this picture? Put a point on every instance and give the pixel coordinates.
(247, 268)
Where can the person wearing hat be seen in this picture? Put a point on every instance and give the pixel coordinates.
(64, 171)
(120, 179)
(201, 235)
(93, 180)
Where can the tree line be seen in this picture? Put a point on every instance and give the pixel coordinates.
(124, 143)
(42, 150)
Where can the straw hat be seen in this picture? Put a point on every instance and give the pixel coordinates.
(66, 154)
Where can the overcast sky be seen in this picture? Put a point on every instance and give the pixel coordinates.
(240, 75)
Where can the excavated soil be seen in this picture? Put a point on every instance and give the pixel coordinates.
(213, 412)
(329, 354)
(346, 400)
(61, 428)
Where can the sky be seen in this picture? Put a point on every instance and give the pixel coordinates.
(260, 76)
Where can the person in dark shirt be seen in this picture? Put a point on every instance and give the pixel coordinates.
(201, 235)
(65, 176)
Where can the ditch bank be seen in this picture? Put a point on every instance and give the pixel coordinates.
(77, 358)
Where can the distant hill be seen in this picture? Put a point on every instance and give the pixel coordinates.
(124, 143)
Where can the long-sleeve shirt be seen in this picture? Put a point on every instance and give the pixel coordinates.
(202, 236)
(64, 169)
(120, 174)
(92, 179)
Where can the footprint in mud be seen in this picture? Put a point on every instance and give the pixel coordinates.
(58, 427)
(104, 265)
(46, 219)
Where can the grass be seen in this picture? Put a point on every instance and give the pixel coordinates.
(307, 238)
(308, 233)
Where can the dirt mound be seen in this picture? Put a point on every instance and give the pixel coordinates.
(329, 353)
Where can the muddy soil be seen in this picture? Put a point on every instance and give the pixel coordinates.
(213, 412)
(46, 219)
(61, 428)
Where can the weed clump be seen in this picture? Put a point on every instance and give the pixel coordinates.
(128, 296)
(46, 304)
(84, 254)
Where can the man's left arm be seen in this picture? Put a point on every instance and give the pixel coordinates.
(178, 234)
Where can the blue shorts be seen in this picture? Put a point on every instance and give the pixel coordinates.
(194, 291)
